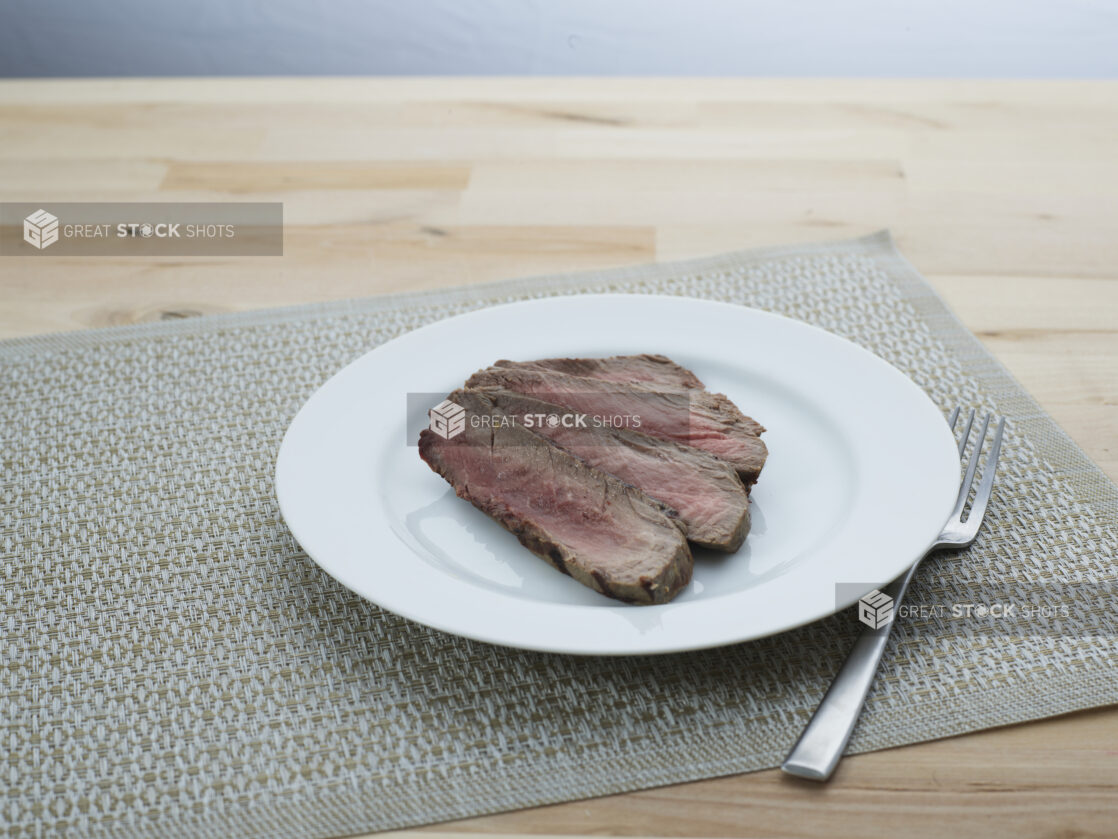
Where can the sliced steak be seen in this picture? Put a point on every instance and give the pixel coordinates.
(657, 370)
(707, 421)
(603, 532)
(704, 490)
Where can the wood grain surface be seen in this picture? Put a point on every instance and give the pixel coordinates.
(1002, 193)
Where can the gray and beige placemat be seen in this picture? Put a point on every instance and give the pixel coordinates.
(172, 664)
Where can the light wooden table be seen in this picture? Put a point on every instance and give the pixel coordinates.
(1005, 195)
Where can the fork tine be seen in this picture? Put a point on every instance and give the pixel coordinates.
(966, 432)
(972, 466)
(986, 485)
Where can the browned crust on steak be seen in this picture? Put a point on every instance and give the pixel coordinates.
(645, 368)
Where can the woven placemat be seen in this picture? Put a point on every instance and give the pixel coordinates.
(171, 663)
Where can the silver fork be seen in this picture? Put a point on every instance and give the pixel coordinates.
(820, 747)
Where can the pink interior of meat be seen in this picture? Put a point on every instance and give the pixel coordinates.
(659, 417)
(677, 482)
(571, 510)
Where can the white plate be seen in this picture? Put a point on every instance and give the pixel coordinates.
(861, 476)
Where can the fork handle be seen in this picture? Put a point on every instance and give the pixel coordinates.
(820, 747)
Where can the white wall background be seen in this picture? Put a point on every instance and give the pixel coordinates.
(986, 38)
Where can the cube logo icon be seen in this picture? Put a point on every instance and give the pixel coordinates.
(40, 229)
(448, 419)
(875, 609)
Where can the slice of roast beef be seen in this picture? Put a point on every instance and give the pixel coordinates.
(704, 490)
(657, 370)
(707, 421)
(601, 531)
